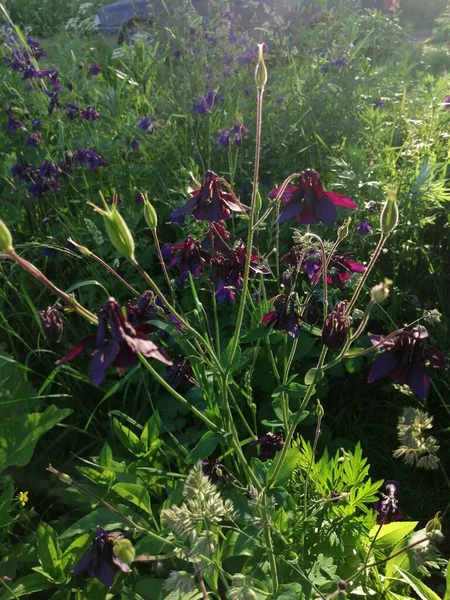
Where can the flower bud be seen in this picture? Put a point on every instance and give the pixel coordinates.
(343, 229)
(258, 201)
(319, 410)
(151, 218)
(336, 326)
(61, 476)
(380, 292)
(389, 214)
(118, 233)
(434, 525)
(5, 239)
(124, 550)
(51, 324)
(260, 71)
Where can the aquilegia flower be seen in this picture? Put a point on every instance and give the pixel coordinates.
(116, 344)
(189, 256)
(95, 69)
(228, 269)
(147, 124)
(209, 203)
(309, 202)
(51, 324)
(387, 508)
(405, 359)
(99, 561)
(364, 228)
(180, 376)
(205, 104)
(89, 114)
(269, 445)
(336, 326)
(285, 317)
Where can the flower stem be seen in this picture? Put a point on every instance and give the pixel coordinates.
(163, 265)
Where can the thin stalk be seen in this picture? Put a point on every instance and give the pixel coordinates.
(163, 265)
(216, 321)
(308, 474)
(325, 263)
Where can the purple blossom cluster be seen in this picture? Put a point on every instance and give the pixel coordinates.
(205, 104)
(232, 135)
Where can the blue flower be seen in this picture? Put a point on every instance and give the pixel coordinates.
(94, 69)
(205, 104)
(146, 124)
(364, 228)
(224, 139)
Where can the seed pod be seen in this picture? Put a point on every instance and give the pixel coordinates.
(150, 216)
(389, 213)
(5, 239)
(118, 233)
(260, 71)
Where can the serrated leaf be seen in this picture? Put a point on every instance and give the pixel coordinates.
(134, 493)
(206, 446)
(422, 590)
(392, 533)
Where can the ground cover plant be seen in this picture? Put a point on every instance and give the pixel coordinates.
(224, 312)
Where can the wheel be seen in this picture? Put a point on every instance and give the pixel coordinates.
(135, 30)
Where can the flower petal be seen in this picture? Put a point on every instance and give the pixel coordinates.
(354, 266)
(325, 210)
(339, 200)
(85, 344)
(418, 379)
(83, 563)
(294, 207)
(287, 194)
(101, 360)
(382, 366)
(308, 215)
(183, 210)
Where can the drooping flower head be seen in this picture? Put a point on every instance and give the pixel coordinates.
(214, 470)
(336, 326)
(94, 69)
(285, 317)
(116, 344)
(387, 508)
(180, 376)
(405, 358)
(228, 269)
(51, 324)
(190, 257)
(99, 561)
(209, 203)
(141, 310)
(89, 114)
(147, 124)
(269, 445)
(309, 202)
(206, 103)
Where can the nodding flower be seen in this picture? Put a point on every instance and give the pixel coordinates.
(387, 508)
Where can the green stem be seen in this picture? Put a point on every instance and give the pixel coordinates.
(308, 474)
(163, 264)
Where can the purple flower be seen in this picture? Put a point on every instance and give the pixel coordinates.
(146, 124)
(269, 445)
(446, 104)
(209, 203)
(72, 111)
(36, 123)
(285, 317)
(13, 124)
(379, 103)
(94, 69)
(51, 324)
(116, 344)
(387, 508)
(33, 140)
(336, 327)
(232, 39)
(89, 114)
(224, 139)
(48, 170)
(405, 359)
(213, 469)
(279, 100)
(228, 269)
(140, 311)
(89, 158)
(177, 53)
(324, 69)
(309, 202)
(189, 256)
(248, 56)
(205, 104)
(48, 252)
(36, 49)
(373, 208)
(53, 101)
(225, 293)
(180, 376)
(99, 561)
(364, 228)
(239, 130)
(340, 63)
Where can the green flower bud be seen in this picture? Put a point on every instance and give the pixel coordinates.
(319, 410)
(389, 214)
(5, 239)
(260, 71)
(124, 550)
(151, 218)
(343, 229)
(434, 525)
(258, 201)
(117, 229)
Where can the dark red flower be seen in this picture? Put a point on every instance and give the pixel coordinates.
(269, 445)
(309, 202)
(116, 344)
(387, 508)
(209, 203)
(336, 326)
(228, 269)
(405, 359)
(180, 375)
(214, 470)
(189, 256)
(285, 317)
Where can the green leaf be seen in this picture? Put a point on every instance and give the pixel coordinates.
(313, 376)
(290, 591)
(149, 545)
(291, 460)
(6, 500)
(206, 446)
(447, 580)
(150, 434)
(73, 553)
(422, 590)
(392, 533)
(401, 560)
(17, 395)
(48, 550)
(134, 493)
(255, 334)
(225, 357)
(103, 517)
(129, 439)
(30, 584)
(19, 435)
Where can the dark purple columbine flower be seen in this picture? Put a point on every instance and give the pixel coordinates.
(206, 103)
(340, 63)
(89, 114)
(364, 228)
(51, 324)
(373, 207)
(224, 139)
(180, 376)
(387, 509)
(177, 53)
(405, 359)
(36, 123)
(73, 111)
(336, 327)
(134, 144)
(89, 158)
(249, 56)
(140, 311)
(214, 470)
(94, 69)
(53, 101)
(269, 445)
(49, 170)
(189, 256)
(19, 60)
(232, 38)
(218, 239)
(99, 561)
(228, 269)
(209, 203)
(34, 140)
(225, 293)
(285, 317)
(309, 202)
(116, 344)
(13, 124)
(147, 124)
(35, 48)
(239, 129)
(379, 103)
(279, 100)
(48, 252)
